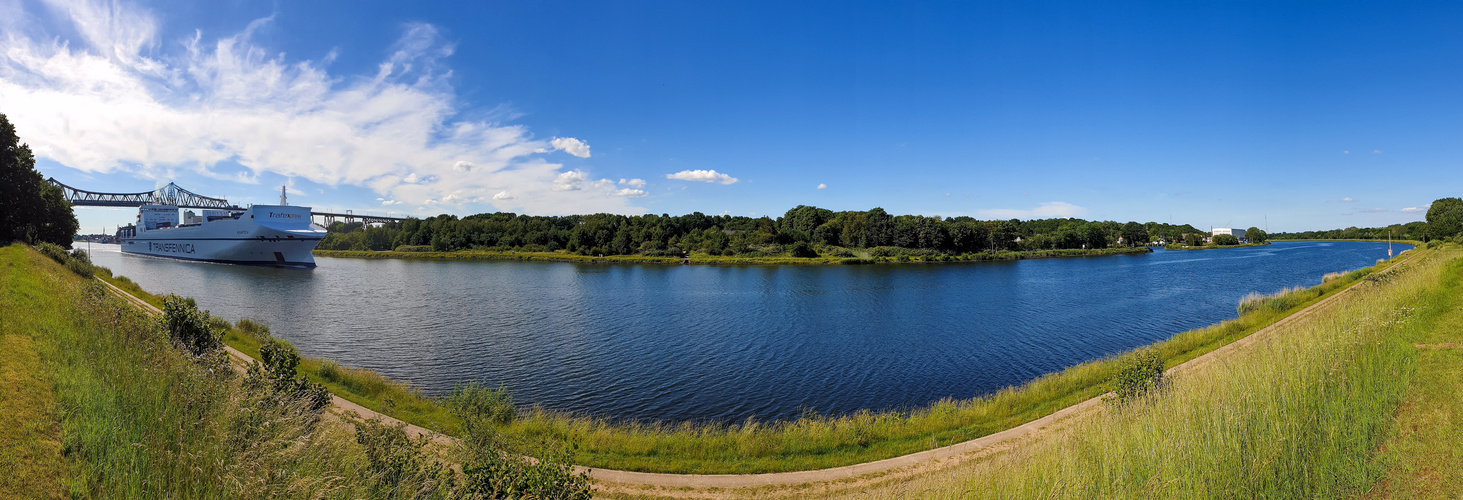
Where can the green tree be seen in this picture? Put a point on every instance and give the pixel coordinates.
(1225, 239)
(1134, 234)
(1445, 218)
(1256, 235)
(31, 210)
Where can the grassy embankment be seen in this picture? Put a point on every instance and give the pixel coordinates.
(863, 257)
(1312, 412)
(104, 406)
(807, 443)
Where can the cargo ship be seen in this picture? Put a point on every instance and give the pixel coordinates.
(270, 235)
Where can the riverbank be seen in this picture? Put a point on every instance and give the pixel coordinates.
(1360, 399)
(813, 442)
(1213, 247)
(1433, 332)
(871, 256)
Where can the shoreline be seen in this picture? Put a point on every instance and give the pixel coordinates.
(701, 259)
(977, 444)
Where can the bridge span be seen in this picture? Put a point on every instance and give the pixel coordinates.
(174, 195)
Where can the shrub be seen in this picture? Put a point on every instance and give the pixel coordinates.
(1138, 373)
(414, 248)
(278, 372)
(490, 471)
(802, 250)
(1225, 239)
(188, 326)
(480, 406)
(400, 466)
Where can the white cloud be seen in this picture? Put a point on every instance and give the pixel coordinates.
(572, 180)
(1348, 200)
(634, 183)
(1376, 151)
(391, 202)
(1045, 211)
(1417, 209)
(822, 186)
(702, 176)
(503, 195)
(571, 145)
(1346, 152)
(631, 193)
(118, 96)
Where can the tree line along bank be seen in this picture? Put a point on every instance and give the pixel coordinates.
(803, 231)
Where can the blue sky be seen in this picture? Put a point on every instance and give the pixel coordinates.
(1308, 115)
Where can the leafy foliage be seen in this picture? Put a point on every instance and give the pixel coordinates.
(1139, 373)
(1445, 218)
(31, 210)
(399, 466)
(491, 471)
(278, 373)
(188, 326)
(819, 231)
(1256, 235)
(1225, 239)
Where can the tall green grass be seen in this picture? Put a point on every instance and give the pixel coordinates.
(1297, 415)
(140, 419)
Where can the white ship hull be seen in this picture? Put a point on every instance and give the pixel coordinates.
(261, 235)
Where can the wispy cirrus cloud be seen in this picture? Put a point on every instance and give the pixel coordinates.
(1411, 210)
(1045, 211)
(119, 98)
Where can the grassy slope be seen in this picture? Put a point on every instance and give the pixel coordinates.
(136, 418)
(30, 446)
(1426, 444)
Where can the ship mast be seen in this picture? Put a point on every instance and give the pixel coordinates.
(281, 196)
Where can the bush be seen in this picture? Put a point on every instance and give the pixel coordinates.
(1225, 239)
(802, 250)
(400, 467)
(479, 406)
(188, 326)
(1139, 373)
(490, 470)
(278, 373)
(413, 248)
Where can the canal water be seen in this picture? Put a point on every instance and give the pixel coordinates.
(727, 343)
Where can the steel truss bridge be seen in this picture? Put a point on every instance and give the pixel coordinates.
(174, 195)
